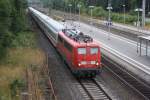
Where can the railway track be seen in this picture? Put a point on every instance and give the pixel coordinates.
(128, 79)
(92, 90)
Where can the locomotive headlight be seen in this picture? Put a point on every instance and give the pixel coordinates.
(79, 64)
(97, 63)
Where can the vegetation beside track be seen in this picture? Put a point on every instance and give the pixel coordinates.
(13, 71)
(18, 49)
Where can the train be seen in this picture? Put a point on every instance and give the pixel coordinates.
(81, 52)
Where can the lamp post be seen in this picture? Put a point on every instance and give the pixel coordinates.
(79, 6)
(124, 10)
(138, 10)
(70, 5)
(143, 12)
(50, 6)
(75, 3)
(109, 19)
(91, 8)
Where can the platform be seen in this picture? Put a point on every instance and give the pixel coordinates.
(124, 48)
(125, 27)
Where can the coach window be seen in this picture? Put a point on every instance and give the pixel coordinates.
(51, 33)
(82, 51)
(94, 50)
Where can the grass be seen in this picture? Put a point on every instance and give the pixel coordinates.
(14, 67)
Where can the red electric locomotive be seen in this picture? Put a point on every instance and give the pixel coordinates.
(81, 52)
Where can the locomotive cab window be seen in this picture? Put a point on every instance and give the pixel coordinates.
(82, 51)
(94, 51)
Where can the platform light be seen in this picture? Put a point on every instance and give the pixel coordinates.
(91, 7)
(91, 10)
(138, 10)
(124, 11)
(70, 5)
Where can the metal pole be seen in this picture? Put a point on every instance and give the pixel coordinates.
(70, 12)
(109, 25)
(140, 46)
(91, 9)
(148, 6)
(79, 16)
(146, 47)
(124, 10)
(91, 16)
(51, 6)
(143, 13)
(138, 23)
(75, 8)
(91, 19)
(109, 17)
(78, 6)
(137, 45)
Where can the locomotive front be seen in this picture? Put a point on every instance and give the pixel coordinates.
(88, 60)
(87, 57)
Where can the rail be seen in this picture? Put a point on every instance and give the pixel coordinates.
(127, 78)
(93, 89)
(50, 85)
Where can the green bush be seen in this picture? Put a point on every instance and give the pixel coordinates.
(99, 12)
(117, 17)
(24, 39)
(131, 19)
(15, 86)
(84, 10)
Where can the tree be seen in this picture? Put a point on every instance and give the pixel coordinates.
(18, 16)
(12, 20)
(4, 25)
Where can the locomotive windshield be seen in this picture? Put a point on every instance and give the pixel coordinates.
(82, 51)
(94, 50)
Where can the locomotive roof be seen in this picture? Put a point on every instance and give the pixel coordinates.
(75, 43)
(49, 21)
